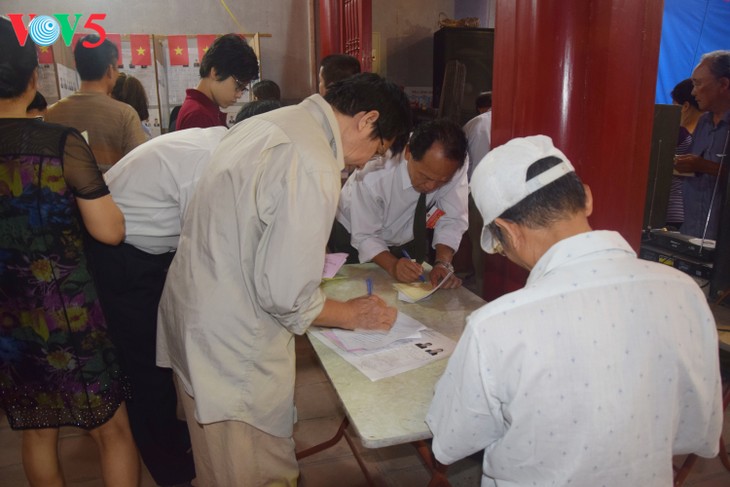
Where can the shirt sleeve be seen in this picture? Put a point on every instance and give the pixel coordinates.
(454, 201)
(133, 133)
(80, 169)
(465, 416)
(290, 255)
(367, 213)
(479, 140)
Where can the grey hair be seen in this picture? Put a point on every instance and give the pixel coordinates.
(718, 62)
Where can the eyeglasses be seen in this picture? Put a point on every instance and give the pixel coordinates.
(240, 85)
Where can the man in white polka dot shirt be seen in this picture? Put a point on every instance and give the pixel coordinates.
(595, 373)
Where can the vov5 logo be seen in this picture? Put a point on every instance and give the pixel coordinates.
(45, 29)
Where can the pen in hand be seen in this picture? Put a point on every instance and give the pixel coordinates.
(405, 254)
(369, 284)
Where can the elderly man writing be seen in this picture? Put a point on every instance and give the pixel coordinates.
(600, 369)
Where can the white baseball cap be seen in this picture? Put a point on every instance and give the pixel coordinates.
(499, 180)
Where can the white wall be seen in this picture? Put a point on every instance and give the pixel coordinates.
(285, 56)
(482, 9)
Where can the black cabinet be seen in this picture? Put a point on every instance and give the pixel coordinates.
(472, 47)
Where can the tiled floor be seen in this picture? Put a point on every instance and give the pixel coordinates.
(319, 417)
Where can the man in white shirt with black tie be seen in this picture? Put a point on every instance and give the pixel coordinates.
(376, 212)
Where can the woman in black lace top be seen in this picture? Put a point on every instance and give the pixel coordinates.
(57, 366)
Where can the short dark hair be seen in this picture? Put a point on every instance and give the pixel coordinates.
(563, 197)
(368, 91)
(129, 90)
(230, 55)
(337, 67)
(17, 63)
(256, 107)
(92, 62)
(39, 103)
(266, 90)
(683, 93)
(483, 100)
(449, 134)
(718, 62)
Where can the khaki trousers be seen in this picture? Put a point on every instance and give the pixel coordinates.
(235, 454)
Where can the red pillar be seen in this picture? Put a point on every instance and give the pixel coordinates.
(584, 73)
(330, 41)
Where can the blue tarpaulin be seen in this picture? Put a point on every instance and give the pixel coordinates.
(690, 28)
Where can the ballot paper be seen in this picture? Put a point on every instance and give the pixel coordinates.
(332, 264)
(418, 291)
(392, 357)
(404, 328)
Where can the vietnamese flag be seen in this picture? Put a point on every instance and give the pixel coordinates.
(204, 42)
(45, 54)
(116, 39)
(141, 52)
(178, 50)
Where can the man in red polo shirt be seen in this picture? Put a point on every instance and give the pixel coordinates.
(227, 67)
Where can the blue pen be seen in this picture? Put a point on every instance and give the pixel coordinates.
(405, 254)
(369, 283)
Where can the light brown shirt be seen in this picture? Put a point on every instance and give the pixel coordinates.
(248, 267)
(113, 127)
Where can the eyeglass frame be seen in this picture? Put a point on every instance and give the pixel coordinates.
(240, 85)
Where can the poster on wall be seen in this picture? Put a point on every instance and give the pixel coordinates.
(68, 80)
(162, 92)
(47, 83)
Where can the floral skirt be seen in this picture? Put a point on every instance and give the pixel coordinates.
(57, 364)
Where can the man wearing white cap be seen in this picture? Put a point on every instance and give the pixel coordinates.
(600, 369)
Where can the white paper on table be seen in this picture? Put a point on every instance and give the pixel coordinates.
(332, 264)
(413, 293)
(404, 327)
(396, 358)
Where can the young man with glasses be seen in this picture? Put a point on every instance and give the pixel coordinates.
(225, 70)
(376, 216)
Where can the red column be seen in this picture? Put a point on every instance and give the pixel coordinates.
(584, 73)
(330, 41)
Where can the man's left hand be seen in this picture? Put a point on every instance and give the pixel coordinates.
(438, 273)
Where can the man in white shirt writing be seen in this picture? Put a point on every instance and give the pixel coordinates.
(376, 217)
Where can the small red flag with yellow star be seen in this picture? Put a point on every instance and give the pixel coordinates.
(204, 42)
(177, 47)
(141, 52)
(45, 54)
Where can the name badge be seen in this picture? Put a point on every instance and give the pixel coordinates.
(433, 216)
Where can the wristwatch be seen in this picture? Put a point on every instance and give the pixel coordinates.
(445, 265)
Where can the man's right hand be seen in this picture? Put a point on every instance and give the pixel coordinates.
(371, 313)
(688, 163)
(405, 270)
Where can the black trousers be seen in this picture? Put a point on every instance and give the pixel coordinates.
(129, 283)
